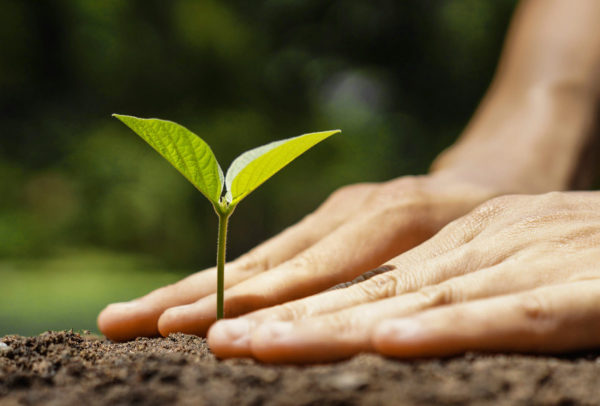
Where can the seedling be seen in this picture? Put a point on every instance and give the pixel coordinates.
(191, 156)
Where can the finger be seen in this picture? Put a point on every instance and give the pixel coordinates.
(344, 254)
(452, 253)
(349, 329)
(127, 320)
(350, 250)
(124, 321)
(342, 205)
(324, 338)
(447, 255)
(139, 317)
(550, 319)
(231, 337)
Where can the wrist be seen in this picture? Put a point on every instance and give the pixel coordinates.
(528, 143)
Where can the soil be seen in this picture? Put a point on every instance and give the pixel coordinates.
(66, 368)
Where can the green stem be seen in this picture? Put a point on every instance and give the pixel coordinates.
(221, 247)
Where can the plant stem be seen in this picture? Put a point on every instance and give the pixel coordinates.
(221, 247)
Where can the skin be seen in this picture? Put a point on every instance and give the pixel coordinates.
(518, 273)
(326, 248)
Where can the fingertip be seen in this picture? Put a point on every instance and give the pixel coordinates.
(230, 338)
(273, 342)
(168, 322)
(187, 319)
(103, 321)
(126, 320)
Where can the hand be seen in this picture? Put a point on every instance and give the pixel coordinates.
(519, 273)
(528, 136)
(358, 228)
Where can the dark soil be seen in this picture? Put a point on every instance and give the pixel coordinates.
(65, 368)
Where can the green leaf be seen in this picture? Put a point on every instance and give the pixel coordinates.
(187, 152)
(252, 168)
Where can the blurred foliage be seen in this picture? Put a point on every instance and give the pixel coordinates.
(401, 79)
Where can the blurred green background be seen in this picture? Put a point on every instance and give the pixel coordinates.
(90, 214)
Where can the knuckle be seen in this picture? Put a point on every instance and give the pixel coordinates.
(462, 230)
(345, 325)
(380, 286)
(479, 217)
(534, 308)
(304, 261)
(406, 193)
(418, 202)
(410, 217)
(549, 200)
(345, 199)
(287, 311)
(493, 206)
(439, 295)
(554, 196)
(252, 262)
(409, 182)
(557, 202)
(350, 190)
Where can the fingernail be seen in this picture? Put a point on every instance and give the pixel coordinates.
(276, 329)
(236, 331)
(401, 328)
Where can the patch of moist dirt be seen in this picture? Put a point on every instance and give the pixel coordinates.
(66, 368)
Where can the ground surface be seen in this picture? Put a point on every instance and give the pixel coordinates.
(65, 368)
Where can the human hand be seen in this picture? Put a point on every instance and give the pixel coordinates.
(519, 273)
(356, 229)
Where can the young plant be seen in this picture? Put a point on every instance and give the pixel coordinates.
(191, 156)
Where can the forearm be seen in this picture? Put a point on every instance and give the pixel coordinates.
(536, 120)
